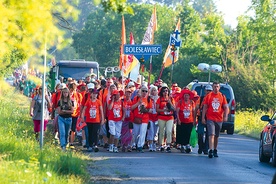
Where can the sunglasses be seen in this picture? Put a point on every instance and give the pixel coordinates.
(165, 91)
(144, 91)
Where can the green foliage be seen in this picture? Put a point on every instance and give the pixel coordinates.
(21, 159)
(248, 122)
(26, 26)
(100, 39)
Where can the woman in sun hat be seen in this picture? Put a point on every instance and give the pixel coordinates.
(186, 119)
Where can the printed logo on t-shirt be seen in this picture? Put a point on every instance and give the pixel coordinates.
(128, 112)
(93, 112)
(186, 113)
(215, 104)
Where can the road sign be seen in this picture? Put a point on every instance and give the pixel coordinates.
(142, 49)
(175, 41)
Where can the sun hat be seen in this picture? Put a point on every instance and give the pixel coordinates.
(187, 91)
(130, 84)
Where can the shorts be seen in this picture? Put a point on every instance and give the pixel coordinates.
(37, 125)
(213, 128)
(115, 128)
(74, 124)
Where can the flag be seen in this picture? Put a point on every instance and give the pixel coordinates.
(148, 39)
(168, 57)
(131, 59)
(123, 57)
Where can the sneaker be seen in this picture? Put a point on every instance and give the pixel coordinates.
(115, 150)
(140, 150)
(129, 149)
(133, 147)
(72, 146)
(182, 149)
(205, 152)
(63, 148)
(150, 148)
(188, 149)
(153, 147)
(124, 149)
(90, 149)
(83, 142)
(106, 145)
(162, 148)
(168, 150)
(210, 154)
(110, 149)
(215, 153)
(96, 149)
(199, 151)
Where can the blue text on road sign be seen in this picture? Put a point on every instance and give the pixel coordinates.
(142, 49)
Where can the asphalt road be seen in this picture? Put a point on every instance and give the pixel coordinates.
(237, 163)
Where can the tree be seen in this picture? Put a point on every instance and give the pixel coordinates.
(26, 26)
(100, 39)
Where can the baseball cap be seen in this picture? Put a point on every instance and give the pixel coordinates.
(208, 87)
(90, 86)
(130, 84)
(62, 86)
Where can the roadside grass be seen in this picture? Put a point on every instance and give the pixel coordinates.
(21, 159)
(248, 122)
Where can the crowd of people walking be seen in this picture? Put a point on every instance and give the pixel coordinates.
(123, 115)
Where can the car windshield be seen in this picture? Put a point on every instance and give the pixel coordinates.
(201, 91)
(75, 72)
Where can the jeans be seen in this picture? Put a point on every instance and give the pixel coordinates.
(64, 126)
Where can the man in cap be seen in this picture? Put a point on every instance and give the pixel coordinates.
(203, 144)
(215, 107)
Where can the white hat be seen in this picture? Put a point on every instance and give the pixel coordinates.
(130, 84)
(62, 86)
(90, 86)
(208, 87)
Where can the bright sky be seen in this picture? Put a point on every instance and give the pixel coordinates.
(232, 9)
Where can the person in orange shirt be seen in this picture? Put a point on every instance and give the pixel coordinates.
(186, 119)
(215, 108)
(126, 133)
(115, 118)
(153, 119)
(94, 118)
(77, 99)
(165, 106)
(141, 107)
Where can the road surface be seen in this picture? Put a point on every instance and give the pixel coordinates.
(237, 164)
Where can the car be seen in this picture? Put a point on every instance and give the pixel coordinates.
(228, 92)
(267, 144)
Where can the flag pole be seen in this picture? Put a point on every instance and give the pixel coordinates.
(161, 71)
(150, 71)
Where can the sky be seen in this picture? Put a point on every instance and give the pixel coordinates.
(232, 9)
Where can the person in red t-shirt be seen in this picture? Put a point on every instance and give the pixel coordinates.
(186, 118)
(153, 119)
(165, 106)
(126, 134)
(215, 108)
(141, 108)
(94, 118)
(115, 117)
